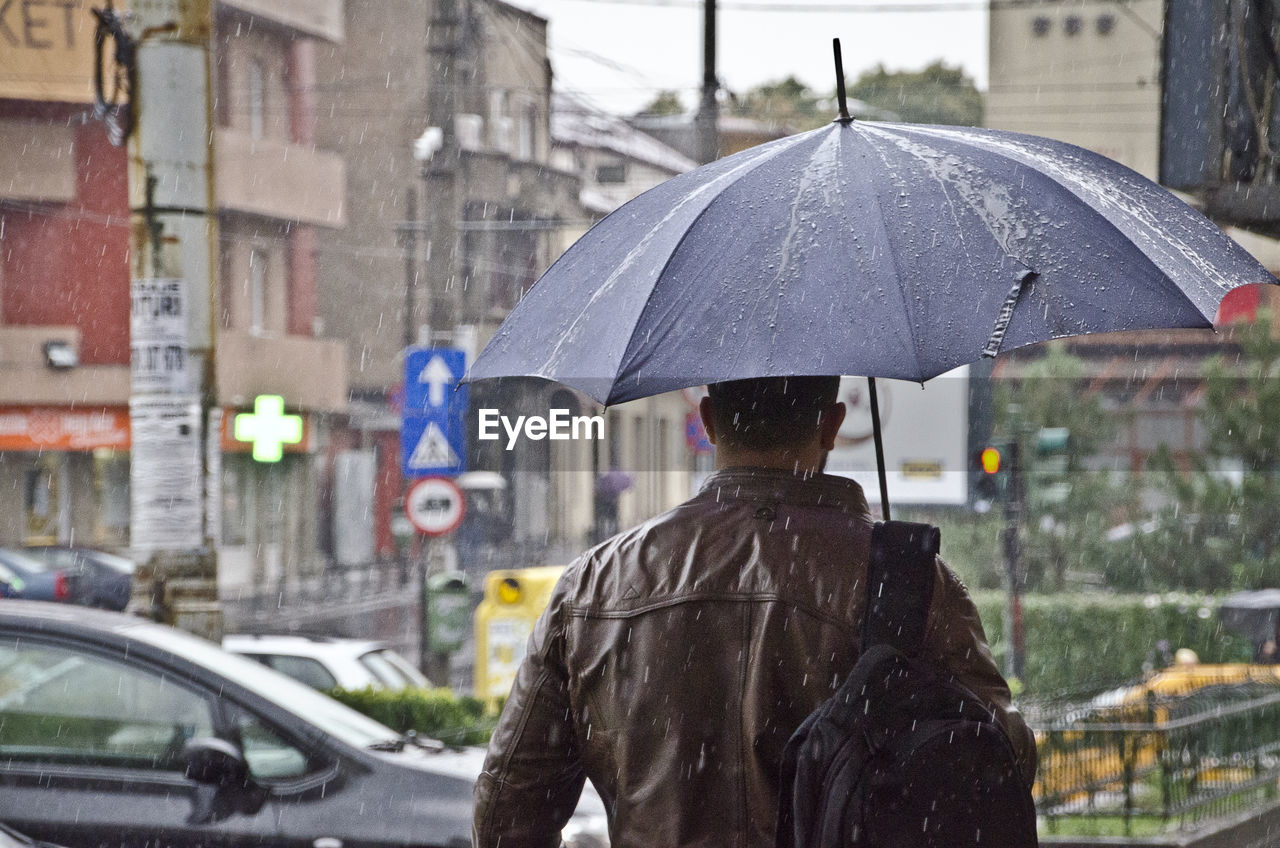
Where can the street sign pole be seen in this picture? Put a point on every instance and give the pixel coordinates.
(435, 506)
(427, 551)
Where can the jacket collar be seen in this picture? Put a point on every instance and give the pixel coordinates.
(769, 485)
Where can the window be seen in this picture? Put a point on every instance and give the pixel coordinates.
(266, 753)
(1106, 24)
(303, 669)
(257, 99)
(1041, 25)
(612, 173)
(384, 672)
(1073, 24)
(58, 705)
(499, 122)
(527, 130)
(256, 286)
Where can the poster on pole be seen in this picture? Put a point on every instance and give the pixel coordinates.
(166, 491)
(159, 357)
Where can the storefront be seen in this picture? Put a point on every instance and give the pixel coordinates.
(64, 476)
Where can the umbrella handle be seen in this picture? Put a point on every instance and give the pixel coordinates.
(875, 431)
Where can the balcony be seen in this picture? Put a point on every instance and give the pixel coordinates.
(275, 179)
(321, 18)
(309, 373)
(27, 378)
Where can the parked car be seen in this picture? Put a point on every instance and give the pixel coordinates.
(11, 585)
(122, 732)
(28, 578)
(330, 663)
(105, 580)
(10, 838)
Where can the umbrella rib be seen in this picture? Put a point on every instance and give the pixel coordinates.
(893, 257)
(1099, 204)
(627, 350)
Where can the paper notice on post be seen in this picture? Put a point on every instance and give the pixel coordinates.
(158, 347)
(167, 488)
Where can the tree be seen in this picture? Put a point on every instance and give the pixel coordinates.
(939, 94)
(664, 103)
(1218, 530)
(787, 104)
(1068, 507)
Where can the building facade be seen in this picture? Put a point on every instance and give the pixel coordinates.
(65, 285)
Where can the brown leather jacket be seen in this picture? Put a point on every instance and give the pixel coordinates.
(676, 659)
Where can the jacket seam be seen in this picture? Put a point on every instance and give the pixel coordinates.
(733, 597)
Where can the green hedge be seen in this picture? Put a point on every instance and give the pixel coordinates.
(435, 713)
(1075, 642)
(1079, 641)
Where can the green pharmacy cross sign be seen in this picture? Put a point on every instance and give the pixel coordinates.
(268, 428)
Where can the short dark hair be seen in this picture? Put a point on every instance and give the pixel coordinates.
(768, 413)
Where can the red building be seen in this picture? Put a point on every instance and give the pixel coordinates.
(65, 278)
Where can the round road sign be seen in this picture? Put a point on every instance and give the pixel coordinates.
(435, 505)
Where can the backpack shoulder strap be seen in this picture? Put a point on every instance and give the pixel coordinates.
(900, 574)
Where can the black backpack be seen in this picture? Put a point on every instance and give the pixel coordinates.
(902, 756)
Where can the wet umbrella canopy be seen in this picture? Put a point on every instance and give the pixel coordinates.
(879, 250)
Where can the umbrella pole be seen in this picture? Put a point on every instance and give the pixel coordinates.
(875, 431)
(840, 95)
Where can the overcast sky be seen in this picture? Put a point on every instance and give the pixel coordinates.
(619, 53)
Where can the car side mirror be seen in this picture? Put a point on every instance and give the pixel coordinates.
(223, 783)
(215, 762)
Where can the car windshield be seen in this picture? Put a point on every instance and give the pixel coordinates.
(387, 662)
(334, 719)
(115, 563)
(385, 671)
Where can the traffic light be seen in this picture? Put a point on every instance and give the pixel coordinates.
(1049, 483)
(993, 465)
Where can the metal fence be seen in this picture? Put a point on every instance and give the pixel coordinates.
(1166, 758)
(373, 601)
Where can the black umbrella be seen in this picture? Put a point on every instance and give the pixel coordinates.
(871, 249)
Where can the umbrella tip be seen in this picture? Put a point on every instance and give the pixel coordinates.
(844, 117)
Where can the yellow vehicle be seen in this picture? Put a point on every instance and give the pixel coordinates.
(513, 600)
(1122, 731)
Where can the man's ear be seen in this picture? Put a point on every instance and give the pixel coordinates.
(708, 423)
(829, 426)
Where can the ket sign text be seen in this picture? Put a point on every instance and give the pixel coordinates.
(558, 425)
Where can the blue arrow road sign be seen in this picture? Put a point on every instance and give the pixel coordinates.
(431, 374)
(433, 438)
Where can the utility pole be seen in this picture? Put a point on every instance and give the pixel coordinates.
(410, 236)
(174, 412)
(1014, 509)
(445, 37)
(708, 109)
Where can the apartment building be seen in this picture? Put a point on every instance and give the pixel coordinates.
(65, 283)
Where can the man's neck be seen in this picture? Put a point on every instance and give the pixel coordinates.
(800, 462)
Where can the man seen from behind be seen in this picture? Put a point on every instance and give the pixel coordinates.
(676, 659)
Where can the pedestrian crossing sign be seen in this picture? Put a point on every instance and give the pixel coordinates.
(432, 450)
(433, 439)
